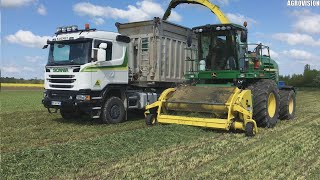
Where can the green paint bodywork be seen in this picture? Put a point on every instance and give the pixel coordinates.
(95, 68)
(268, 68)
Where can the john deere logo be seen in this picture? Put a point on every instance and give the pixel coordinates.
(60, 69)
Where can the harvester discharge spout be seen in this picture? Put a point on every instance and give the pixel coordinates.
(214, 107)
(214, 9)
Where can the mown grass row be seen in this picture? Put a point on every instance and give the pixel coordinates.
(38, 145)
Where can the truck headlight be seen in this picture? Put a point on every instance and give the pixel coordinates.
(83, 97)
(45, 93)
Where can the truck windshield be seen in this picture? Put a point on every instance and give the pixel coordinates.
(69, 53)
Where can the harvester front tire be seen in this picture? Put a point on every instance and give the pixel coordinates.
(151, 119)
(113, 111)
(287, 104)
(266, 103)
(249, 129)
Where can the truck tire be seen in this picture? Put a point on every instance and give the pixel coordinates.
(113, 111)
(266, 103)
(287, 104)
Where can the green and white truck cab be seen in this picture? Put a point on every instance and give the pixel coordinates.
(105, 74)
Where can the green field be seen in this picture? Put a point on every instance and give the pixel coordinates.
(38, 145)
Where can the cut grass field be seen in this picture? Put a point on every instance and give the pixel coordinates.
(35, 144)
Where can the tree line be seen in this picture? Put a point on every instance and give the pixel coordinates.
(21, 80)
(309, 78)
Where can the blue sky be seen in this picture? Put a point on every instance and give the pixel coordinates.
(293, 33)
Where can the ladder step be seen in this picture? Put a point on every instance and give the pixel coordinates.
(96, 98)
(133, 97)
(95, 117)
(96, 108)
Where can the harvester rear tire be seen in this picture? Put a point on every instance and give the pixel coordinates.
(261, 91)
(113, 111)
(249, 129)
(151, 119)
(287, 104)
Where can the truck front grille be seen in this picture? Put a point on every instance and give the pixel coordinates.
(61, 86)
(61, 76)
(60, 94)
(61, 81)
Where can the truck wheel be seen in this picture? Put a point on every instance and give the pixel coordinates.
(287, 104)
(151, 119)
(249, 129)
(113, 111)
(266, 102)
(68, 114)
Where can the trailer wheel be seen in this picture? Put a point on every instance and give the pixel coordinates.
(68, 114)
(151, 119)
(287, 104)
(113, 111)
(266, 102)
(249, 129)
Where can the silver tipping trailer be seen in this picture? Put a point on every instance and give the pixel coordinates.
(158, 51)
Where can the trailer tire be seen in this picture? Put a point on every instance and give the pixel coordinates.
(287, 104)
(151, 119)
(113, 111)
(266, 102)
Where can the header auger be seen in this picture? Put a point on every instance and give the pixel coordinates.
(231, 88)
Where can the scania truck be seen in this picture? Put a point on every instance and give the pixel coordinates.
(105, 74)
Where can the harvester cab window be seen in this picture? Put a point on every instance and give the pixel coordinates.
(218, 50)
(241, 47)
(96, 44)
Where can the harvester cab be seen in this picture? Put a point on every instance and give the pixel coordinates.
(234, 85)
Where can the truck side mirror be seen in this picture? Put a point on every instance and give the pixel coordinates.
(101, 54)
(243, 36)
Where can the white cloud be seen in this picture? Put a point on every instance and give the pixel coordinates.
(98, 21)
(16, 3)
(306, 21)
(296, 39)
(239, 19)
(292, 61)
(27, 39)
(42, 10)
(222, 2)
(143, 10)
(10, 69)
(34, 59)
(302, 56)
(273, 54)
(30, 69)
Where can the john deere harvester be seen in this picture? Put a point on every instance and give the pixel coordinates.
(231, 87)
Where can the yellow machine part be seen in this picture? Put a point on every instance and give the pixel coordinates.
(214, 8)
(225, 107)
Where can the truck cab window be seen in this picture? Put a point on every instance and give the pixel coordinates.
(108, 50)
